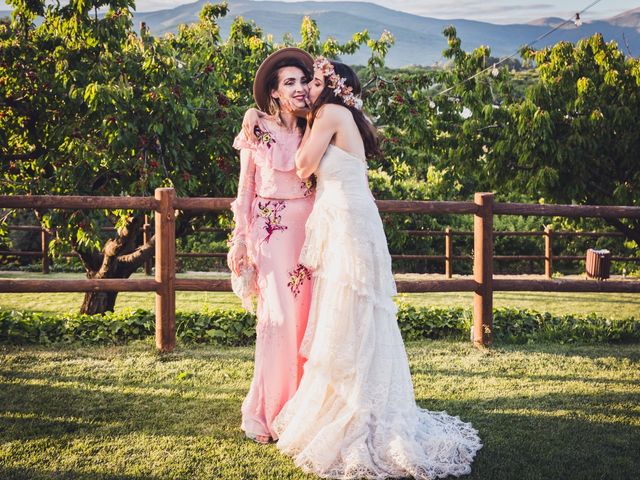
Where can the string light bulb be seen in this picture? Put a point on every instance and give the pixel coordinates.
(576, 19)
(495, 71)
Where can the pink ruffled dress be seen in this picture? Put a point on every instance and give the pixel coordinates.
(270, 213)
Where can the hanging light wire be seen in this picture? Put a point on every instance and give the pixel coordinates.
(575, 18)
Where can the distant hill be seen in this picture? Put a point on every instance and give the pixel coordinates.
(546, 21)
(630, 18)
(419, 40)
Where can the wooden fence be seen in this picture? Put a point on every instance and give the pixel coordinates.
(165, 284)
(549, 235)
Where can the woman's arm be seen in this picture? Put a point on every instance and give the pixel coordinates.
(246, 192)
(251, 120)
(316, 140)
(241, 208)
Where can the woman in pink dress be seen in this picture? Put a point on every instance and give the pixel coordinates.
(270, 212)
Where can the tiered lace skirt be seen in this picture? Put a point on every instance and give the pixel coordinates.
(354, 414)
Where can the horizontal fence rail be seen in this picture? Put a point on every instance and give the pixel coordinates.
(566, 210)
(563, 285)
(447, 258)
(71, 202)
(483, 284)
(88, 285)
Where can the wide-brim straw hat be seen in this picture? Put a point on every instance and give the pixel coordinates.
(260, 93)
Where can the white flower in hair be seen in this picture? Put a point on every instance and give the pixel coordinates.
(337, 83)
(340, 86)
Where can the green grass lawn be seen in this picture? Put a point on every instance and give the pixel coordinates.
(125, 412)
(614, 305)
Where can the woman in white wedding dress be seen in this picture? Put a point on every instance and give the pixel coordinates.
(354, 414)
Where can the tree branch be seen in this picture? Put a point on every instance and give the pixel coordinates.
(131, 261)
(604, 192)
(125, 242)
(626, 44)
(23, 156)
(91, 261)
(629, 232)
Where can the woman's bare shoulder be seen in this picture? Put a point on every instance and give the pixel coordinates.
(333, 112)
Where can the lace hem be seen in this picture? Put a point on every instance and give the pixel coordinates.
(424, 445)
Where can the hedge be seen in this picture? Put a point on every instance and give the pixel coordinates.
(236, 327)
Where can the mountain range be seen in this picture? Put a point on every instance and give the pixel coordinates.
(419, 40)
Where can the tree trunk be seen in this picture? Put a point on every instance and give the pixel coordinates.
(119, 259)
(101, 302)
(114, 266)
(98, 302)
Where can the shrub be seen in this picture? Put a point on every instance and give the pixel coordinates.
(418, 323)
(236, 327)
(515, 325)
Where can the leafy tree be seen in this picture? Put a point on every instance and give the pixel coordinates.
(90, 108)
(433, 118)
(575, 137)
(87, 107)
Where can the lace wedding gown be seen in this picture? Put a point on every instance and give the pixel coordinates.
(354, 414)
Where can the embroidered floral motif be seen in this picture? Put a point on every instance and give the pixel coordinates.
(308, 185)
(264, 136)
(270, 211)
(297, 278)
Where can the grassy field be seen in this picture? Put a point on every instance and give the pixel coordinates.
(125, 412)
(614, 305)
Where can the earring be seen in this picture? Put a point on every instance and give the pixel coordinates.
(274, 110)
(273, 106)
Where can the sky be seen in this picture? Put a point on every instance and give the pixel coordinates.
(493, 11)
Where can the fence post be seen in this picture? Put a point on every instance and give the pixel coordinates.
(548, 251)
(146, 230)
(165, 223)
(44, 240)
(482, 334)
(448, 261)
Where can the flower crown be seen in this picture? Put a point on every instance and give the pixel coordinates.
(337, 83)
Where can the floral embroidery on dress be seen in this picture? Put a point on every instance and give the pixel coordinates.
(308, 185)
(264, 136)
(270, 211)
(297, 278)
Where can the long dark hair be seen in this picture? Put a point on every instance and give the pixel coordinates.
(271, 84)
(367, 131)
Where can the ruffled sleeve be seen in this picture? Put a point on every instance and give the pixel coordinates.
(241, 206)
(277, 153)
(241, 142)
